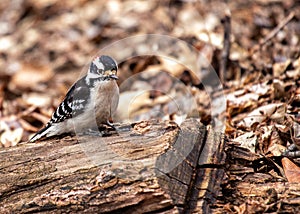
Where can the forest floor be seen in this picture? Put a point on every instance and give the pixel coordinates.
(46, 45)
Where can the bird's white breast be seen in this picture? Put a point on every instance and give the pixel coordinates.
(106, 100)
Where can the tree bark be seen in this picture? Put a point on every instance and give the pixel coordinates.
(145, 167)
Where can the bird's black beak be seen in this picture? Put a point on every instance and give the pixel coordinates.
(113, 76)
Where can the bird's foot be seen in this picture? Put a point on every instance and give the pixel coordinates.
(109, 125)
(103, 130)
(107, 129)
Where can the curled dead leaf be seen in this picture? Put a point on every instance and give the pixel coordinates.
(291, 170)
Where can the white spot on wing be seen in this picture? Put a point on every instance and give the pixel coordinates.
(63, 107)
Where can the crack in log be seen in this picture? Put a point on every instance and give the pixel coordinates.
(23, 188)
(192, 193)
(172, 177)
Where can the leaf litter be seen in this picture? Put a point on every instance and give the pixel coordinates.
(45, 44)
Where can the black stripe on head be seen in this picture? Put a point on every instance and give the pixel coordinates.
(108, 62)
(93, 69)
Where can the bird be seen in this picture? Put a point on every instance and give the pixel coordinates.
(90, 101)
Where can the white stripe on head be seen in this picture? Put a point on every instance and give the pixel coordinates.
(91, 76)
(98, 64)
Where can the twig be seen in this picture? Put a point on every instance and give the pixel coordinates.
(273, 33)
(226, 45)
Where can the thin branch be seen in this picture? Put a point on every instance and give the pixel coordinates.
(273, 33)
(226, 45)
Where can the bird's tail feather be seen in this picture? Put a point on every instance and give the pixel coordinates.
(40, 134)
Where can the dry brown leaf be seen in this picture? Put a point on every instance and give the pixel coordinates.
(291, 170)
(270, 141)
(44, 119)
(37, 99)
(238, 53)
(29, 75)
(296, 135)
(280, 67)
(247, 140)
(274, 111)
(241, 209)
(6, 43)
(27, 126)
(10, 137)
(259, 89)
(10, 132)
(42, 4)
(234, 99)
(276, 149)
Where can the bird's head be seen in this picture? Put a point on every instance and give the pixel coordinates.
(103, 67)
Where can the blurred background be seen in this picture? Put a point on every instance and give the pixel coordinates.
(44, 46)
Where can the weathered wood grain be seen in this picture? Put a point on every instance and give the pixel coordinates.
(145, 167)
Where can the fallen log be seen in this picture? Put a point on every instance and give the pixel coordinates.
(145, 167)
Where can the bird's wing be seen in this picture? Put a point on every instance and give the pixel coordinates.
(74, 102)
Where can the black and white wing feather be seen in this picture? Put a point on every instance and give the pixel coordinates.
(72, 106)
